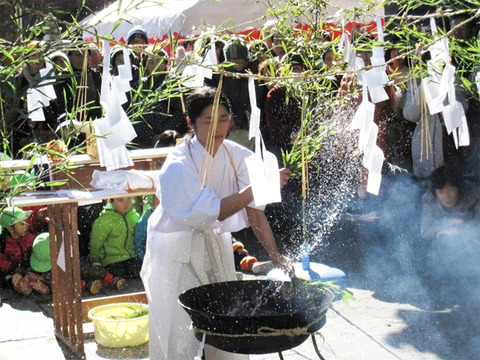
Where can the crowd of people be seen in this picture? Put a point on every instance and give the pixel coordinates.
(449, 175)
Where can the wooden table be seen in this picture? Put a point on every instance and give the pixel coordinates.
(69, 311)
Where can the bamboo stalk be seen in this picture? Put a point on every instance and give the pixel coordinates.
(82, 91)
(425, 124)
(304, 161)
(184, 109)
(411, 81)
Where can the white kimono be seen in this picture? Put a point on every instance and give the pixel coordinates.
(187, 246)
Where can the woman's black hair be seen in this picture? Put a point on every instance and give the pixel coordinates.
(168, 138)
(201, 98)
(443, 176)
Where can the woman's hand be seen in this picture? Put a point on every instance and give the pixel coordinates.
(284, 176)
(263, 232)
(283, 263)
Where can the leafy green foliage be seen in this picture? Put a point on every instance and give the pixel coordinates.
(135, 313)
(322, 286)
(312, 143)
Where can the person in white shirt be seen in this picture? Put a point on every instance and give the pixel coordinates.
(188, 238)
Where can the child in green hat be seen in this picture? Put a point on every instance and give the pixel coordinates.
(16, 242)
(40, 263)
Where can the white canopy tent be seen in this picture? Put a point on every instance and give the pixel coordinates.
(182, 16)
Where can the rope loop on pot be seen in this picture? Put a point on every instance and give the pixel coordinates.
(266, 331)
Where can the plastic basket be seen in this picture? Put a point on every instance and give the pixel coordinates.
(112, 330)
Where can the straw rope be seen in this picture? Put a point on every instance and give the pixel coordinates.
(82, 91)
(207, 163)
(266, 331)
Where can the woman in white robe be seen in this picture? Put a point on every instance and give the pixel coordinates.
(189, 242)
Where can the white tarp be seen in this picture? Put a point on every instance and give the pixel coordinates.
(160, 17)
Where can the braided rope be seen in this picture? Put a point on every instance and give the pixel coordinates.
(266, 331)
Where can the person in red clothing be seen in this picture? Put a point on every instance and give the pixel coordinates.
(37, 221)
(16, 244)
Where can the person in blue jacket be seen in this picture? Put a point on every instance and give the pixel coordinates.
(140, 236)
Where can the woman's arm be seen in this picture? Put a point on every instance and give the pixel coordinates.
(234, 203)
(264, 234)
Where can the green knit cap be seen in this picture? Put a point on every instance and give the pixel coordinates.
(40, 258)
(12, 215)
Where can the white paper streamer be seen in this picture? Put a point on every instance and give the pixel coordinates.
(112, 159)
(262, 166)
(367, 141)
(254, 130)
(40, 96)
(378, 20)
(378, 94)
(463, 134)
(377, 77)
(373, 79)
(375, 172)
(264, 174)
(115, 130)
(210, 58)
(440, 93)
(195, 75)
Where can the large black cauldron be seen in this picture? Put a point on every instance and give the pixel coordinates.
(255, 317)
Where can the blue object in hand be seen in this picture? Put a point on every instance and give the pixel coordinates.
(305, 252)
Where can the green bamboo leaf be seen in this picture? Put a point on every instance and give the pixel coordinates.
(116, 25)
(55, 183)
